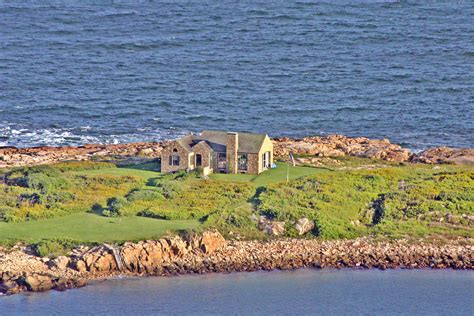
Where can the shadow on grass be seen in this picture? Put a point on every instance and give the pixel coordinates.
(255, 199)
(152, 181)
(97, 209)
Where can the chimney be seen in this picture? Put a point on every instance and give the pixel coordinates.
(232, 149)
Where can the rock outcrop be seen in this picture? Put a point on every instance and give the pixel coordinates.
(339, 145)
(318, 146)
(209, 252)
(270, 227)
(437, 155)
(210, 242)
(304, 225)
(16, 157)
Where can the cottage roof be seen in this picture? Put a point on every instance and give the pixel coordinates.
(248, 142)
(186, 142)
(217, 140)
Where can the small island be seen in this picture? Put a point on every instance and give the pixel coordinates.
(224, 202)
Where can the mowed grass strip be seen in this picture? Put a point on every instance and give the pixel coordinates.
(275, 175)
(88, 227)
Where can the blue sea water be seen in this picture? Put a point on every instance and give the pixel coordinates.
(74, 72)
(300, 292)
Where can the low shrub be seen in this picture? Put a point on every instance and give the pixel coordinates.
(334, 201)
(195, 199)
(438, 194)
(235, 222)
(5, 212)
(144, 195)
(116, 206)
(169, 189)
(53, 248)
(109, 180)
(53, 199)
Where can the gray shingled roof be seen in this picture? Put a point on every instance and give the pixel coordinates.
(248, 142)
(217, 140)
(186, 142)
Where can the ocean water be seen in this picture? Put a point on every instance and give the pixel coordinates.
(74, 72)
(299, 292)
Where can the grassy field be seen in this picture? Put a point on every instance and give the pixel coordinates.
(100, 202)
(87, 227)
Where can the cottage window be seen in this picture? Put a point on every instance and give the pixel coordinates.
(174, 160)
(242, 160)
(221, 161)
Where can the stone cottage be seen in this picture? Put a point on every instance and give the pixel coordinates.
(218, 151)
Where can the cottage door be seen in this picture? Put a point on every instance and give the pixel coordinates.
(198, 160)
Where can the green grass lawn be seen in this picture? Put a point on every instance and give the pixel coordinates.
(389, 200)
(275, 175)
(89, 227)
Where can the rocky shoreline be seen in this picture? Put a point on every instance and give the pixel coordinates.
(20, 270)
(319, 146)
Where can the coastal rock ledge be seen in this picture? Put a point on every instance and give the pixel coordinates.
(210, 252)
(318, 146)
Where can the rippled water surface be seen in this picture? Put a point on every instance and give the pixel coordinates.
(115, 71)
(301, 292)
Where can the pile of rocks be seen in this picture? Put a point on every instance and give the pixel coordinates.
(319, 146)
(209, 252)
(339, 145)
(15, 157)
(439, 155)
(21, 271)
(277, 228)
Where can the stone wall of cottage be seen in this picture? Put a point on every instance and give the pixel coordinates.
(253, 164)
(170, 150)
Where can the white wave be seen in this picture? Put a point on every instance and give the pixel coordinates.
(52, 137)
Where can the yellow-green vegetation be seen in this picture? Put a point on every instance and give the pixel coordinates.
(49, 191)
(394, 201)
(98, 202)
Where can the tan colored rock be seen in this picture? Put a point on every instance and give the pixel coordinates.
(212, 241)
(104, 263)
(234, 255)
(38, 282)
(339, 145)
(100, 259)
(9, 287)
(79, 265)
(60, 263)
(273, 228)
(178, 246)
(445, 155)
(304, 225)
(320, 146)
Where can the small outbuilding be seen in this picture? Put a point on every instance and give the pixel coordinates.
(219, 151)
